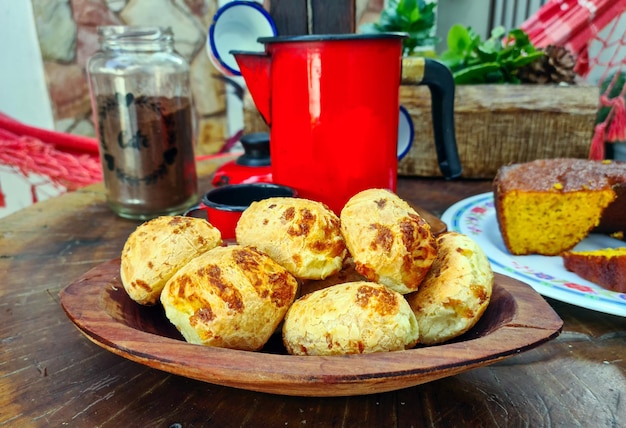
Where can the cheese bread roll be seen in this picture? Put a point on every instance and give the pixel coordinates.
(456, 291)
(352, 318)
(303, 236)
(390, 242)
(156, 249)
(230, 297)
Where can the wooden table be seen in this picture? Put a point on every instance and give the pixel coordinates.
(51, 375)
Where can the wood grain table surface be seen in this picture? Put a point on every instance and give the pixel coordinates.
(51, 375)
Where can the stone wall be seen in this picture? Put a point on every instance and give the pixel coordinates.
(67, 33)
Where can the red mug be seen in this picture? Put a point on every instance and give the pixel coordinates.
(332, 104)
(222, 206)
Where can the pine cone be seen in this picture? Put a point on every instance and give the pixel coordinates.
(556, 66)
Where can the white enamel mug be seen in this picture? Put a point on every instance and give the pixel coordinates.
(236, 26)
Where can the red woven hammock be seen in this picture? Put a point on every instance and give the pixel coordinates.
(68, 160)
(591, 30)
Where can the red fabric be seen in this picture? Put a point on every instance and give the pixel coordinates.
(3, 201)
(68, 160)
(571, 23)
(30, 155)
(617, 126)
(575, 24)
(66, 142)
(596, 151)
(33, 194)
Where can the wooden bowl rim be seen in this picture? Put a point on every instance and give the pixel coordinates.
(531, 323)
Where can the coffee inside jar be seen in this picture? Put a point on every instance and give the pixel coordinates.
(147, 154)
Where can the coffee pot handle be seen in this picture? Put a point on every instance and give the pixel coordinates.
(440, 82)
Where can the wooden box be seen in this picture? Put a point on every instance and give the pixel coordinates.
(501, 124)
(495, 125)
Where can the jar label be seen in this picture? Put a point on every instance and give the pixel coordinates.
(146, 146)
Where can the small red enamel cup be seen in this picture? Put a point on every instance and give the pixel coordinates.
(223, 206)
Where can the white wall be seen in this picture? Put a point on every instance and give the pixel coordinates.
(23, 92)
(607, 57)
(23, 96)
(474, 13)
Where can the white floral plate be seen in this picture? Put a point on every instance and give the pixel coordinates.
(476, 217)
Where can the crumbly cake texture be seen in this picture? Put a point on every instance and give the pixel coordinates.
(605, 267)
(547, 206)
(613, 219)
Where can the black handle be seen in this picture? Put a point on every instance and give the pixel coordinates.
(440, 82)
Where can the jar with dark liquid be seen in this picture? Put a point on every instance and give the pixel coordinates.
(140, 96)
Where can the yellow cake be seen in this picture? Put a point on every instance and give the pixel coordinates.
(605, 267)
(547, 206)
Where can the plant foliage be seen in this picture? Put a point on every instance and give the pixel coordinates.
(495, 60)
(415, 17)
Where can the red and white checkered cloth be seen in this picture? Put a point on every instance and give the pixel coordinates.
(571, 23)
(574, 24)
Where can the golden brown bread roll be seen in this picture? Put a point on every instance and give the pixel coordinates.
(301, 235)
(230, 297)
(158, 248)
(391, 243)
(456, 291)
(352, 318)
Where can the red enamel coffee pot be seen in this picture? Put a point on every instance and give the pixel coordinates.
(332, 104)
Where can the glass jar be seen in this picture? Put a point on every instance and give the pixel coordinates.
(141, 102)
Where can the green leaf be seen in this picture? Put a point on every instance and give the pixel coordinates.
(496, 76)
(409, 9)
(459, 39)
(475, 74)
(486, 53)
(414, 17)
(497, 33)
(524, 60)
(494, 60)
(452, 60)
(520, 37)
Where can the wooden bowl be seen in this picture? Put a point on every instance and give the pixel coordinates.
(517, 319)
